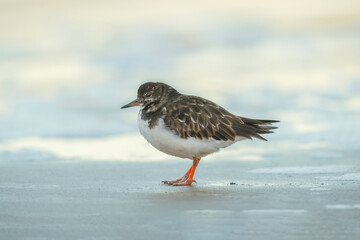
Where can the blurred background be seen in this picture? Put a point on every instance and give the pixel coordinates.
(66, 68)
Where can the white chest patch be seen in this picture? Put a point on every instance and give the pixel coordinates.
(169, 142)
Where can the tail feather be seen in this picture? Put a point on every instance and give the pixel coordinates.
(255, 127)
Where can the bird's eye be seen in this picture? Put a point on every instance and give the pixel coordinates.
(148, 95)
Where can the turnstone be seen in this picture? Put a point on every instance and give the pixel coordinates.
(190, 127)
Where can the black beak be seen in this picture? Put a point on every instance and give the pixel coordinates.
(132, 104)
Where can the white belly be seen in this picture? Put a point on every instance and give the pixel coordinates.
(168, 142)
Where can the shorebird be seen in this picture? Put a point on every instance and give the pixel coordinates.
(188, 126)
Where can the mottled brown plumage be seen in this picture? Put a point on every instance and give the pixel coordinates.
(196, 117)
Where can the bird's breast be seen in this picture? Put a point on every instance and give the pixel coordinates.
(167, 141)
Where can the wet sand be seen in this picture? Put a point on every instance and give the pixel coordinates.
(110, 200)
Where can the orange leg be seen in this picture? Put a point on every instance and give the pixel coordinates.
(187, 179)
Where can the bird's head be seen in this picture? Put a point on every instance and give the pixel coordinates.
(152, 95)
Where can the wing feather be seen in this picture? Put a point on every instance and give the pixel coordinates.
(199, 118)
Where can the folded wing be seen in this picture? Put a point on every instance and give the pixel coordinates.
(202, 119)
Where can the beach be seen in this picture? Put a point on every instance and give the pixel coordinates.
(232, 200)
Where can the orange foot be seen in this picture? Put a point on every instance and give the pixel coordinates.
(187, 179)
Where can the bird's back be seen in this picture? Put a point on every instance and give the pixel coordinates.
(196, 117)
